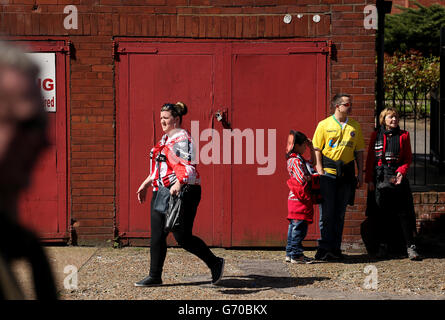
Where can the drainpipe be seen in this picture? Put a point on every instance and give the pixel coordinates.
(383, 7)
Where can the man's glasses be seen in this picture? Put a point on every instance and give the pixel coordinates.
(348, 104)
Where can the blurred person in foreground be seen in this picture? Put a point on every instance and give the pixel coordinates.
(23, 137)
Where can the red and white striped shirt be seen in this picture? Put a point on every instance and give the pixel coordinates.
(171, 159)
(298, 167)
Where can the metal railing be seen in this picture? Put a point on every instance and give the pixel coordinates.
(437, 130)
(424, 119)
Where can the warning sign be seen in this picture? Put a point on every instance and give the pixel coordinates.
(47, 77)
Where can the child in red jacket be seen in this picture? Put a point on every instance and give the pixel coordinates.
(302, 196)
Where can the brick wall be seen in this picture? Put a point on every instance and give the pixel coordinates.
(430, 211)
(92, 100)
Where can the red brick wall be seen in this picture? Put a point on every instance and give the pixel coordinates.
(430, 211)
(92, 100)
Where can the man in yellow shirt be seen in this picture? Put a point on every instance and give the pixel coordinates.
(337, 141)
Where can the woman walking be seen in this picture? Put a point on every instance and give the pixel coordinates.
(171, 166)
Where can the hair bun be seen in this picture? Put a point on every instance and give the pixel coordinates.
(181, 108)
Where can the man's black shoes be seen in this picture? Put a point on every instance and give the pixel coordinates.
(327, 255)
(321, 254)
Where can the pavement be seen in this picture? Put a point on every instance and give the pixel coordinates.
(104, 273)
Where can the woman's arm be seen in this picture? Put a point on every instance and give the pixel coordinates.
(179, 157)
(406, 156)
(142, 191)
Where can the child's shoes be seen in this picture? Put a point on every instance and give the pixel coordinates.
(302, 260)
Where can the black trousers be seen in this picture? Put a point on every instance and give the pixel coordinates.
(184, 237)
(395, 210)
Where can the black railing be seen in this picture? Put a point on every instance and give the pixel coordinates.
(424, 119)
(437, 130)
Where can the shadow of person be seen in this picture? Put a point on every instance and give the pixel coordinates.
(432, 245)
(357, 259)
(254, 283)
(368, 258)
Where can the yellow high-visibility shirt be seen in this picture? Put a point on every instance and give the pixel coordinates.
(337, 142)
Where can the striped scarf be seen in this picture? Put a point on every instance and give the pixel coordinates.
(392, 150)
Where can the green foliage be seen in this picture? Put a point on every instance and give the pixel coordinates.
(415, 28)
(409, 78)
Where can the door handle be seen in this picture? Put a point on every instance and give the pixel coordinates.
(221, 116)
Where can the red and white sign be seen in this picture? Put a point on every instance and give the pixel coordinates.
(47, 77)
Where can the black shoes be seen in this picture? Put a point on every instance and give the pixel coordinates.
(217, 271)
(338, 255)
(321, 254)
(326, 255)
(148, 282)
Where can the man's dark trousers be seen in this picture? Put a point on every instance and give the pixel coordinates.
(336, 193)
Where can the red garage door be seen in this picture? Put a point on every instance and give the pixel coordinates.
(278, 86)
(43, 207)
(150, 75)
(264, 88)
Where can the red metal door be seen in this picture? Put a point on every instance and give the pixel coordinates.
(151, 74)
(275, 86)
(43, 206)
(269, 86)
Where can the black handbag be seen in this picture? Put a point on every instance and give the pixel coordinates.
(162, 200)
(385, 177)
(174, 214)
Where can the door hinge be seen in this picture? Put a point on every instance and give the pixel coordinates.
(132, 48)
(67, 48)
(114, 51)
(328, 48)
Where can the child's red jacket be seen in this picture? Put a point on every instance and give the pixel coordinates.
(301, 201)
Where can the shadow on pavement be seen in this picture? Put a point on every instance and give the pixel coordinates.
(255, 283)
(425, 252)
(252, 283)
